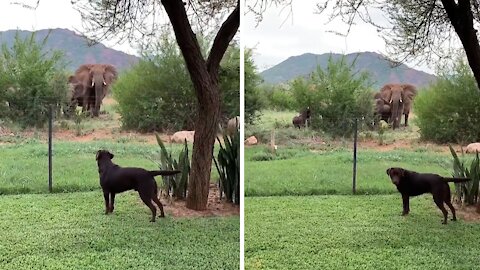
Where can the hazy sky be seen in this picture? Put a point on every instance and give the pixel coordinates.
(49, 14)
(304, 32)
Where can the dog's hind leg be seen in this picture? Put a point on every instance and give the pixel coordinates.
(448, 201)
(439, 203)
(160, 205)
(147, 199)
(449, 204)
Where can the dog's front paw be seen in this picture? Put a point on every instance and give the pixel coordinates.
(454, 219)
(404, 213)
(152, 220)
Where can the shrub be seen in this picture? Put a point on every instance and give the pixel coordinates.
(230, 83)
(280, 97)
(336, 96)
(157, 93)
(449, 110)
(253, 99)
(31, 80)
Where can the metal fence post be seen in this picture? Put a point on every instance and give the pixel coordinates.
(354, 184)
(50, 131)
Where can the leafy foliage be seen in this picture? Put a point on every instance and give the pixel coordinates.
(278, 97)
(253, 99)
(230, 83)
(449, 110)
(336, 97)
(30, 82)
(175, 185)
(157, 93)
(466, 192)
(228, 166)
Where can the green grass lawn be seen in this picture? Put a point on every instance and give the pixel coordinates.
(354, 232)
(304, 172)
(24, 166)
(70, 231)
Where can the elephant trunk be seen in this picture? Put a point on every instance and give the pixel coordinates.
(98, 83)
(395, 113)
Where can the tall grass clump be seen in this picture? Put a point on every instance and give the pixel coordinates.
(175, 186)
(228, 167)
(466, 192)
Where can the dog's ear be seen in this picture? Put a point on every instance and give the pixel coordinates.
(111, 155)
(98, 154)
(402, 172)
(388, 171)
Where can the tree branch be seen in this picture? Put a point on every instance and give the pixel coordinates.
(222, 40)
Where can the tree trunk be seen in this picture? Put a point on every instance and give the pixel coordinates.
(204, 75)
(461, 18)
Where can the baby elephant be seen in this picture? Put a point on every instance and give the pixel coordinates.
(410, 183)
(115, 179)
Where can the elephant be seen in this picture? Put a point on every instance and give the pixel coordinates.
(91, 83)
(400, 98)
(302, 119)
(74, 96)
(382, 110)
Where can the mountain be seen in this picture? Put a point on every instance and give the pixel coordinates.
(380, 69)
(75, 48)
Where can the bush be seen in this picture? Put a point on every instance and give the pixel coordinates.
(157, 93)
(280, 97)
(336, 97)
(253, 99)
(449, 110)
(31, 80)
(230, 83)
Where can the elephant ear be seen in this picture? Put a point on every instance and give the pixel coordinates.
(82, 74)
(72, 79)
(110, 74)
(386, 92)
(410, 91)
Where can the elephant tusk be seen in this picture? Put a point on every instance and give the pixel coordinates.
(390, 101)
(401, 100)
(93, 83)
(104, 83)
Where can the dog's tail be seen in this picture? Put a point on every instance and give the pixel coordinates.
(155, 173)
(456, 179)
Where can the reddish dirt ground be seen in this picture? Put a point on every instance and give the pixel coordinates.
(467, 213)
(215, 207)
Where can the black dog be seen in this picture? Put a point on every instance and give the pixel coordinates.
(411, 183)
(115, 179)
